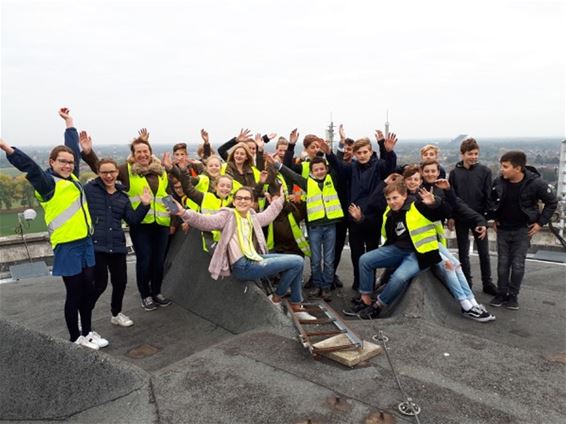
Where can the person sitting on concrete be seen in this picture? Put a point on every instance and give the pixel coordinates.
(242, 250)
(411, 245)
(69, 224)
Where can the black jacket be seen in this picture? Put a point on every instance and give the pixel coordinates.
(533, 190)
(472, 185)
(107, 211)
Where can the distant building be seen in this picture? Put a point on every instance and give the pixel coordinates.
(458, 140)
(561, 187)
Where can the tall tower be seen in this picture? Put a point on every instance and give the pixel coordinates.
(330, 133)
(387, 124)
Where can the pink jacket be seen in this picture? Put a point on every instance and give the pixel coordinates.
(225, 220)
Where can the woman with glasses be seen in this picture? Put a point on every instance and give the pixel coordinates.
(109, 205)
(242, 250)
(69, 225)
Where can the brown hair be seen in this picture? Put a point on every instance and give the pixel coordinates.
(430, 162)
(397, 185)
(515, 157)
(228, 177)
(348, 141)
(361, 142)
(468, 145)
(180, 146)
(317, 159)
(137, 141)
(411, 170)
(242, 145)
(248, 189)
(106, 160)
(310, 139)
(281, 141)
(58, 149)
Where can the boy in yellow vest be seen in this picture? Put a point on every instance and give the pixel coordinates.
(323, 212)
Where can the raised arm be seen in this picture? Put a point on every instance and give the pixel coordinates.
(71, 137)
(291, 175)
(289, 154)
(204, 222)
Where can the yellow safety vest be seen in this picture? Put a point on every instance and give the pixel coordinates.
(203, 183)
(322, 203)
(237, 185)
(66, 213)
(423, 232)
(210, 205)
(157, 213)
(297, 235)
(306, 169)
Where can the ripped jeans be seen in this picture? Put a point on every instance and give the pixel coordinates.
(453, 276)
(289, 266)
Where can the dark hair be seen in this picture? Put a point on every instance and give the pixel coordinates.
(58, 149)
(137, 141)
(317, 159)
(180, 146)
(411, 170)
(515, 157)
(106, 160)
(349, 141)
(430, 162)
(398, 185)
(248, 189)
(468, 145)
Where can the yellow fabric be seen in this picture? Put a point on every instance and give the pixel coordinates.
(209, 205)
(298, 235)
(66, 213)
(322, 203)
(246, 240)
(157, 213)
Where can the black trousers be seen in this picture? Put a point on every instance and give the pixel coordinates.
(364, 236)
(341, 231)
(462, 233)
(79, 300)
(116, 264)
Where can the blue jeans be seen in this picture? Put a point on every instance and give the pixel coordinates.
(289, 266)
(322, 240)
(512, 247)
(388, 257)
(454, 279)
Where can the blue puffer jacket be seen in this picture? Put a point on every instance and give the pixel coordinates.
(107, 211)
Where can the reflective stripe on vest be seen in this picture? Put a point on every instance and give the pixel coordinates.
(421, 230)
(322, 203)
(66, 213)
(298, 235)
(157, 213)
(439, 228)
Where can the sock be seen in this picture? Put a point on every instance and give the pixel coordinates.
(474, 302)
(466, 304)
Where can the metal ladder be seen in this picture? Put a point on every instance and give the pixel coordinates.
(326, 316)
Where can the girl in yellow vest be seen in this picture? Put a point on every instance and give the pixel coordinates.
(323, 212)
(149, 238)
(240, 167)
(69, 225)
(242, 250)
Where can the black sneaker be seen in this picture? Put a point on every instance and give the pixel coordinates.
(489, 288)
(478, 313)
(498, 300)
(355, 310)
(337, 283)
(326, 295)
(511, 303)
(148, 304)
(370, 312)
(314, 292)
(161, 300)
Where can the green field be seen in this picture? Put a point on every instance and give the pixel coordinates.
(11, 172)
(9, 220)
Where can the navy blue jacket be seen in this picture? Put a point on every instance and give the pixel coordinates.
(107, 211)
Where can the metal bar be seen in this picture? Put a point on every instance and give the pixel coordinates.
(325, 333)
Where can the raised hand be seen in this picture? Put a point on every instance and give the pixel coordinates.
(294, 136)
(342, 133)
(355, 212)
(166, 161)
(271, 136)
(143, 134)
(146, 197)
(442, 183)
(379, 135)
(323, 146)
(259, 142)
(65, 113)
(244, 135)
(6, 147)
(427, 196)
(86, 142)
(390, 142)
(204, 135)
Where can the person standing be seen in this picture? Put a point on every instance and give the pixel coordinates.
(471, 181)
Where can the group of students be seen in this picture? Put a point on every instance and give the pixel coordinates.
(250, 207)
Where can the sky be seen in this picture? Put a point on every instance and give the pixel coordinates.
(440, 68)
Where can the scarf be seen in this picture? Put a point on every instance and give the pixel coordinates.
(246, 240)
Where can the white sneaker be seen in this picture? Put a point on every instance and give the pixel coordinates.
(278, 304)
(122, 320)
(95, 338)
(82, 341)
(304, 316)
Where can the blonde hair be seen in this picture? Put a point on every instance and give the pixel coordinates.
(428, 147)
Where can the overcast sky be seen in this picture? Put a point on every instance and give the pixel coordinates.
(490, 68)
